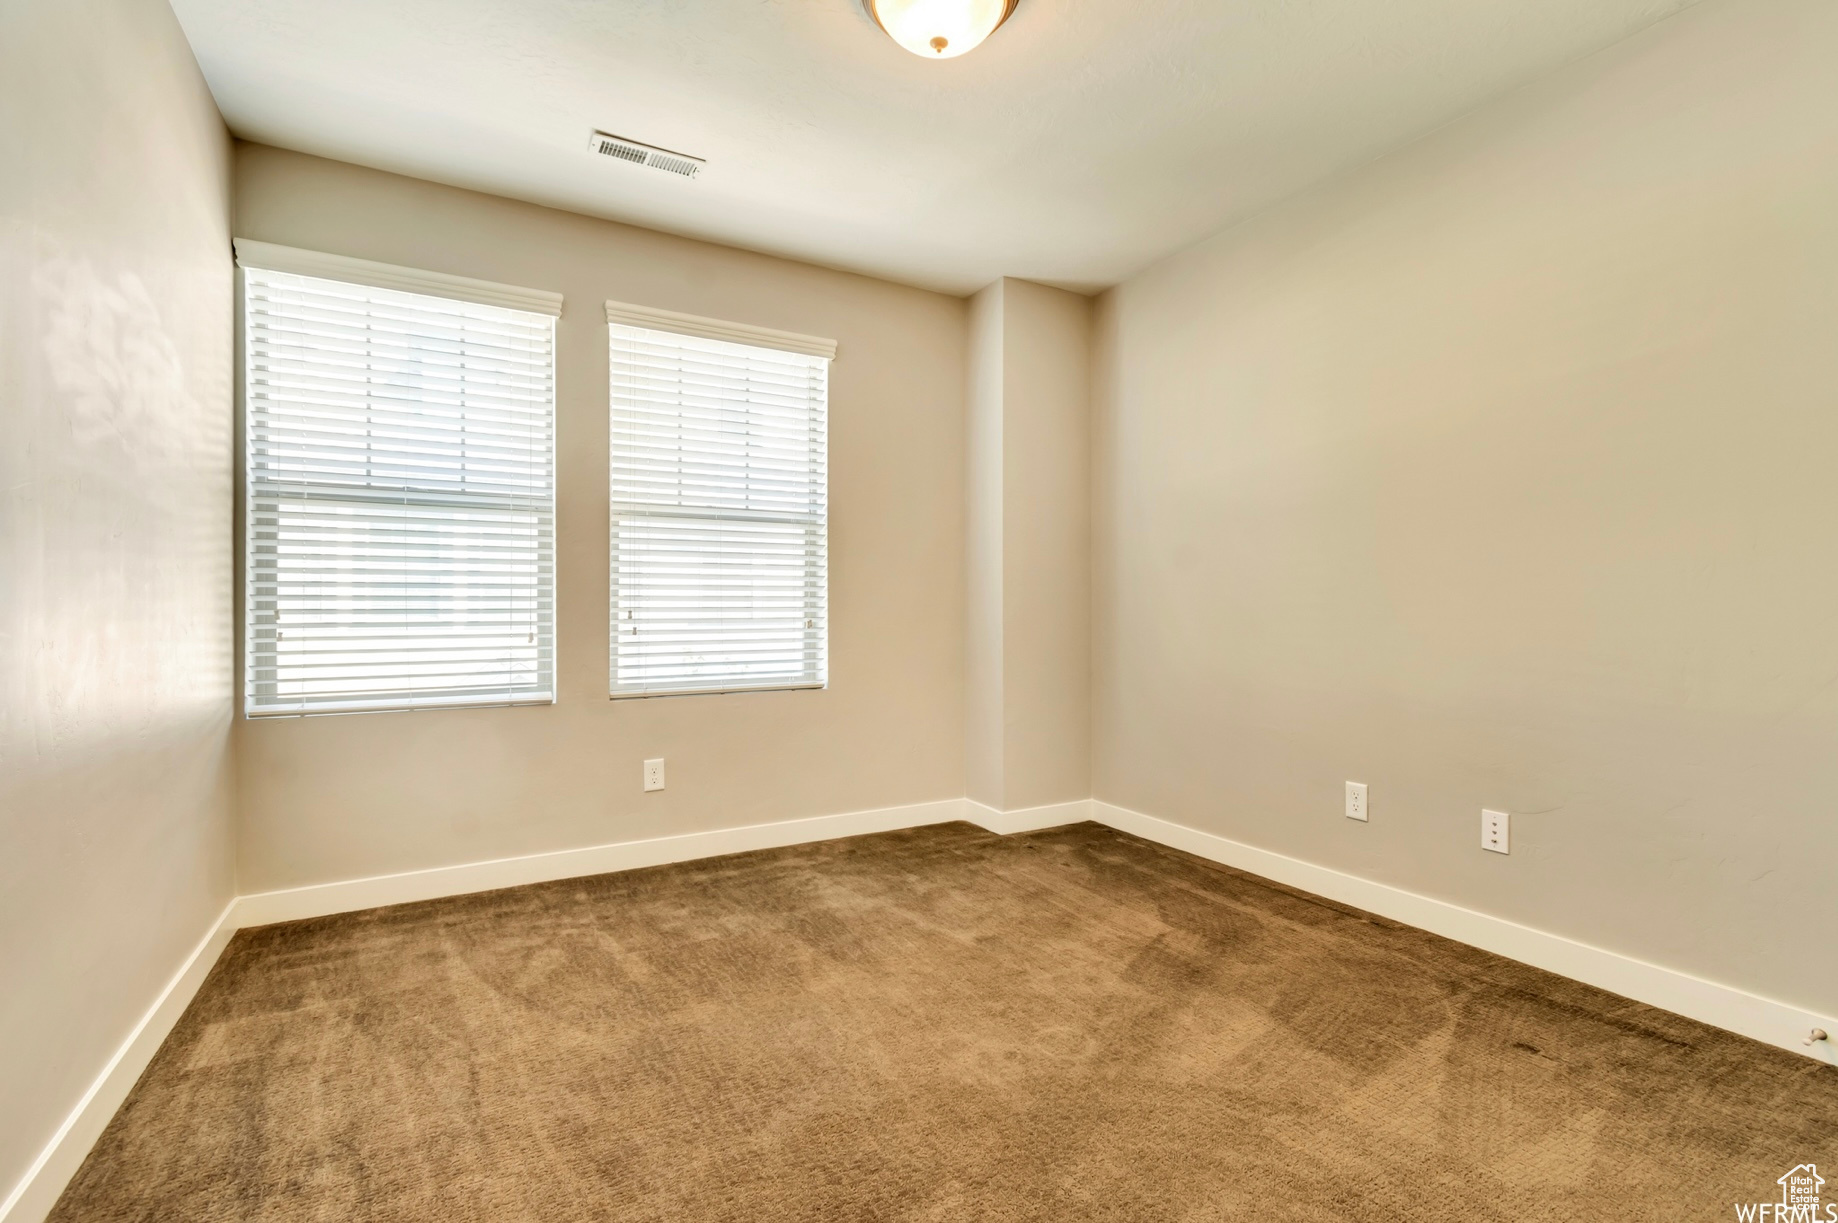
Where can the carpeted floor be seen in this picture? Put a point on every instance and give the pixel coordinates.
(939, 1024)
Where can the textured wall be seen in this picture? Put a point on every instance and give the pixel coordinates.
(340, 797)
(115, 561)
(1500, 474)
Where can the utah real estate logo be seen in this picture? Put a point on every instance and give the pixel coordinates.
(1799, 1201)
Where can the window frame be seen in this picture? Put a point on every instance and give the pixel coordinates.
(622, 314)
(360, 273)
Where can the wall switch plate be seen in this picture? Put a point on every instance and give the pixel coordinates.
(1356, 800)
(1495, 830)
(654, 774)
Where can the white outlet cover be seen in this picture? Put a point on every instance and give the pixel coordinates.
(1496, 831)
(654, 774)
(1357, 808)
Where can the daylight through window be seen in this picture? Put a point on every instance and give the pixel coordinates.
(719, 506)
(401, 508)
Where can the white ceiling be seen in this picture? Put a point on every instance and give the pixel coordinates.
(1083, 141)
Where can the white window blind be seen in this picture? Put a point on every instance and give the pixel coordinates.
(400, 495)
(719, 506)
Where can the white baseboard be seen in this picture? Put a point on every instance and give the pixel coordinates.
(350, 895)
(1027, 819)
(320, 900)
(1723, 1006)
(37, 1191)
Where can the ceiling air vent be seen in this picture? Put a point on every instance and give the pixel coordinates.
(608, 145)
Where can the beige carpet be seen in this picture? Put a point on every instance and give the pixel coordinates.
(938, 1024)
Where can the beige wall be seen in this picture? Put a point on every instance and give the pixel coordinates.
(115, 563)
(1501, 474)
(985, 746)
(340, 797)
(1029, 546)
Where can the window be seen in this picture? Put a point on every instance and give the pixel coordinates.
(720, 522)
(400, 443)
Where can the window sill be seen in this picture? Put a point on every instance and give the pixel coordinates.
(639, 695)
(263, 715)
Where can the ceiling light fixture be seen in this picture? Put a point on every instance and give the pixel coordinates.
(939, 29)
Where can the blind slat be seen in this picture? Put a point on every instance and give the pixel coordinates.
(719, 488)
(401, 499)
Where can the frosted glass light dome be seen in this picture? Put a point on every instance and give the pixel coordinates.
(940, 29)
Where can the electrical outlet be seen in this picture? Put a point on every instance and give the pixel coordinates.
(1495, 830)
(654, 774)
(1356, 800)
